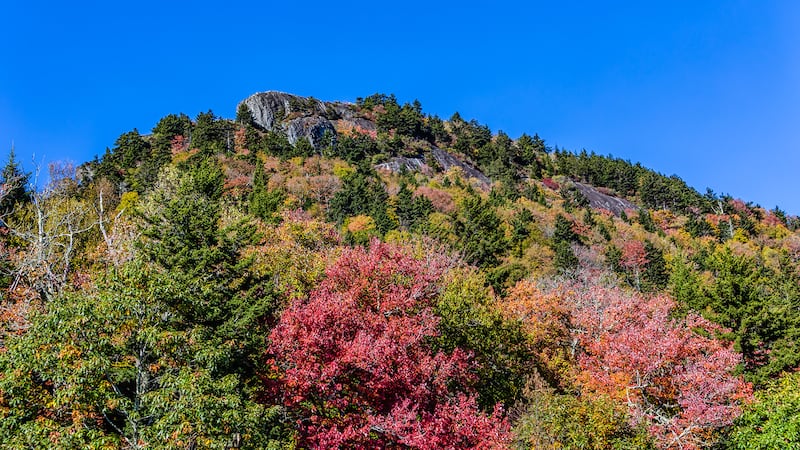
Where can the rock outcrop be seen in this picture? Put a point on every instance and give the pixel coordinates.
(300, 117)
(401, 163)
(599, 200)
(446, 160)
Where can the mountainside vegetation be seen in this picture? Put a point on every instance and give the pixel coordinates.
(331, 275)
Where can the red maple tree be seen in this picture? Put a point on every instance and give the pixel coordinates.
(354, 362)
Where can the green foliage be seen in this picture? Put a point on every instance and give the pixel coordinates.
(646, 221)
(757, 303)
(481, 240)
(117, 367)
(303, 148)
(173, 125)
(361, 195)
(521, 230)
(565, 261)
(565, 422)
(130, 148)
(573, 198)
(772, 422)
(655, 276)
(563, 237)
(471, 320)
(438, 131)
(186, 236)
(15, 185)
(273, 143)
(684, 284)
(471, 137)
(211, 134)
(654, 190)
(564, 231)
(412, 211)
(613, 258)
(243, 115)
(356, 147)
(533, 192)
(264, 203)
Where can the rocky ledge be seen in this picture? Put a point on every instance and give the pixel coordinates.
(303, 117)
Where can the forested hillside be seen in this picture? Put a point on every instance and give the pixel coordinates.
(323, 275)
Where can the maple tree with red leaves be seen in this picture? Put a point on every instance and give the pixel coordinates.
(354, 362)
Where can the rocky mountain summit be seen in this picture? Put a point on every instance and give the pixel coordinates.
(320, 122)
(304, 117)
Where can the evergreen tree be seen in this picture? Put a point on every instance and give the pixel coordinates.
(115, 367)
(361, 195)
(14, 182)
(520, 227)
(565, 261)
(563, 231)
(216, 292)
(478, 228)
(655, 273)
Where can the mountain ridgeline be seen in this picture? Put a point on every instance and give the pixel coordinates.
(317, 274)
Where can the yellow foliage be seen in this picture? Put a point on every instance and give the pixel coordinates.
(296, 252)
(341, 169)
(359, 224)
(772, 258)
(127, 202)
(398, 237)
(740, 236)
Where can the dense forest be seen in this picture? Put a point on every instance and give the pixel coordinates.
(332, 275)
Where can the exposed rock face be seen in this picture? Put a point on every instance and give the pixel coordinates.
(400, 163)
(599, 200)
(312, 128)
(298, 117)
(272, 107)
(309, 118)
(446, 160)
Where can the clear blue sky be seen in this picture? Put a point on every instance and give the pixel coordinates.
(707, 90)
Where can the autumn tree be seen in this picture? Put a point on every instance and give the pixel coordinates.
(633, 260)
(353, 362)
(116, 366)
(673, 374)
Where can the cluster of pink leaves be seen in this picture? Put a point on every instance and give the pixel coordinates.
(353, 360)
(674, 374)
(440, 199)
(634, 255)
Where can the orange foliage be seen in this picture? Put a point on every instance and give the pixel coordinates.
(240, 142)
(546, 320)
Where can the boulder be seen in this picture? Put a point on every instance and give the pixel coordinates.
(303, 117)
(312, 128)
